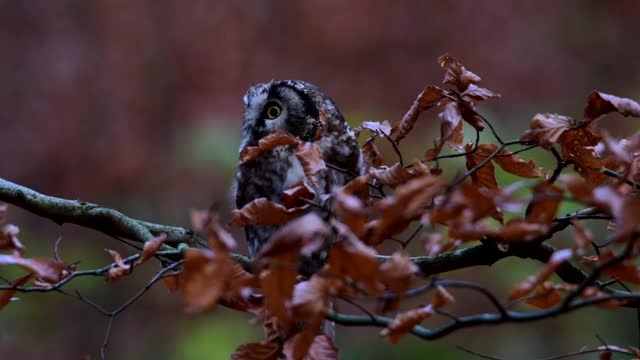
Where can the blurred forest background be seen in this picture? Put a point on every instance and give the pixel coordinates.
(138, 105)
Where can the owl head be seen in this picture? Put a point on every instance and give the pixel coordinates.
(291, 106)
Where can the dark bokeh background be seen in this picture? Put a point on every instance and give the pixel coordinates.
(137, 105)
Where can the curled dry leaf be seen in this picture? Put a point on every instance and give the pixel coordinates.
(9, 239)
(351, 259)
(238, 294)
(511, 163)
(600, 103)
(544, 204)
(558, 258)
(395, 175)
(378, 129)
(266, 144)
(7, 295)
(483, 176)
(296, 195)
(456, 74)
(404, 322)
(322, 348)
(546, 129)
(371, 155)
(262, 211)
(46, 269)
(257, 351)
(546, 296)
(303, 235)
(350, 211)
(425, 100)
(396, 274)
(311, 159)
(119, 269)
(205, 276)
(441, 297)
(583, 236)
(150, 248)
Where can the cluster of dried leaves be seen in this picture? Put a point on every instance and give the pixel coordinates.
(385, 202)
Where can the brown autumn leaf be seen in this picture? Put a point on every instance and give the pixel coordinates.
(311, 159)
(257, 351)
(297, 347)
(296, 195)
(302, 235)
(520, 230)
(205, 276)
(546, 296)
(250, 153)
(546, 129)
(456, 74)
(379, 129)
(396, 274)
(9, 239)
(558, 258)
(404, 322)
(485, 175)
(46, 269)
(584, 237)
(579, 146)
(595, 292)
(515, 165)
(350, 210)
(425, 100)
(475, 93)
(371, 155)
(150, 247)
(262, 211)
(441, 297)
(323, 348)
(407, 204)
(238, 294)
(310, 299)
(7, 295)
(450, 128)
(173, 283)
(544, 203)
(119, 269)
(600, 103)
(351, 259)
(393, 176)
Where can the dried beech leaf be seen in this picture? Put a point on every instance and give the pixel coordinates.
(150, 248)
(441, 297)
(404, 322)
(600, 103)
(474, 94)
(172, 283)
(296, 195)
(262, 211)
(9, 239)
(350, 210)
(277, 285)
(544, 204)
(350, 258)
(584, 237)
(456, 74)
(322, 348)
(311, 159)
(7, 295)
(380, 129)
(396, 274)
(515, 165)
(308, 231)
(206, 274)
(546, 296)
(371, 155)
(546, 129)
(393, 176)
(425, 100)
(265, 144)
(46, 269)
(558, 258)
(238, 293)
(257, 351)
(485, 175)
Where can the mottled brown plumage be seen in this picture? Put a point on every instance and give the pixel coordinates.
(310, 115)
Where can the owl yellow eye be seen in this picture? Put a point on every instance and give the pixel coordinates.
(273, 111)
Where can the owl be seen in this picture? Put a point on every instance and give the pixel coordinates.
(302, 110)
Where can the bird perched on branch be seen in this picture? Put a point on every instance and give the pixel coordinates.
(300, 109)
